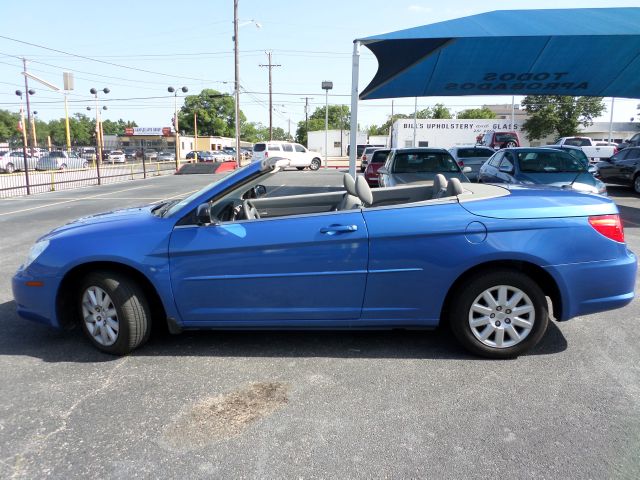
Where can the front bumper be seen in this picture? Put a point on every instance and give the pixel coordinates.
(33, 303)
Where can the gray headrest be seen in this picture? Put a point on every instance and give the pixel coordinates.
(349, 184)
(363, 191)
(439, 186)
(454, 187)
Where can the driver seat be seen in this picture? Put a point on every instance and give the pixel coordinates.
(350, 199)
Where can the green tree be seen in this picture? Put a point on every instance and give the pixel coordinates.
(561, 115)
(483, 112)
(440, 111)
(109, 127)
(9, 126)
(215, 114)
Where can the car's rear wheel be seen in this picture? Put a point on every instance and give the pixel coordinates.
(10, 168)
(636, 184)
(85, 164)
(500, 314)
(115, 314)
(510, 144)
(63, 166)
(315, 164)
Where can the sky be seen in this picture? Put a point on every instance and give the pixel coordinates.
(139, 48)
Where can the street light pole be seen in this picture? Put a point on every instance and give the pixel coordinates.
(24, 144)
(326, 86)
(175, 121)
(94, 92)
(237, 79)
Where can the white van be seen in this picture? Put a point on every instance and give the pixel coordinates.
(299, 156)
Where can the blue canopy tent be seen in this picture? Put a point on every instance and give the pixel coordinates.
(577, 52)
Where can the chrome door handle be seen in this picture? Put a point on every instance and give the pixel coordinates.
(333, 229)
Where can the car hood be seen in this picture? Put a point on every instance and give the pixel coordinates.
(557, 179)
(128, 216)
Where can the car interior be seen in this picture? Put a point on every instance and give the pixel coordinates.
(250, 202)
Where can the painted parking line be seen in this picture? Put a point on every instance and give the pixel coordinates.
(90, 197)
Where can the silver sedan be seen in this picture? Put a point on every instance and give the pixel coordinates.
(61, 160)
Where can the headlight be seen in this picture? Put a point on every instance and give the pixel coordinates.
(35, 252)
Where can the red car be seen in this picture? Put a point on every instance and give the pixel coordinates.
(376, 161)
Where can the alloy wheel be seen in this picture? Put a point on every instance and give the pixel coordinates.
(502, 316)
(100, 316)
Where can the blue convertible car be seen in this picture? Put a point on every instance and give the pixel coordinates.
(482, 258)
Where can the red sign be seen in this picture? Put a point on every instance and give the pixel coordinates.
(166, 131)
(128, 131)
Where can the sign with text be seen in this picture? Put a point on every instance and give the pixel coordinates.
(159, 131)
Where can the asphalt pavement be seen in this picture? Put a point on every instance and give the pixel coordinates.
(307, 404)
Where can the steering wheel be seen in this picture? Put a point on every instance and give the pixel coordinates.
(250, 210)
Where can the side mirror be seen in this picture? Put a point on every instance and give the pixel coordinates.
(505, 169)
(383, 171)
(260, 191)
(466, 170)
(203, 214)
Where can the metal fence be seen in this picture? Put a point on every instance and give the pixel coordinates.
(58, 169)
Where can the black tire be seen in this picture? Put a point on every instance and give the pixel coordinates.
(315, 164)
(472, 288)
(636, 184)
(85, 164)
(63, 166)
(132, 309)
(300, 168)
(10, 168)
(510, 144)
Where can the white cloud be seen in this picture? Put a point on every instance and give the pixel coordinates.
(419, 9)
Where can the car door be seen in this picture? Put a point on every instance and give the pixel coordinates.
(506, 169)
(489, 171)
(288, 152)
(289, 271)
(609, 170)
(629, 165)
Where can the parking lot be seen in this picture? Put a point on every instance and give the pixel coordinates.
(397, 404)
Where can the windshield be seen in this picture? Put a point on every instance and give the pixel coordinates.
(424, 162)
(578, 142)
(579, 154)
(475, 152)
(549, 162)
(177, 206)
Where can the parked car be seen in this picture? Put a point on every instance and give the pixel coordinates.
(192, 154)
(61, 160)
(166, 156)
(542, 165)
(13, 160)
(486, 259)
(588, 146)
(150, 154)
(206, 156)
(471, 156)
(378, 159)
(630, 142)
(418, 165)
(299, 156)
(132, 153)
(497, 140)
(116, 156)
(88, 153)
(622, 169)
(366, 154)
(220, 156)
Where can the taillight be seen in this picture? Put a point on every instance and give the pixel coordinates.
(615, 150)
(608, 225)
(460, 163)
(364, 157)
(266, 154)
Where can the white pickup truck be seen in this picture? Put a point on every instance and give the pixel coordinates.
(588, 146)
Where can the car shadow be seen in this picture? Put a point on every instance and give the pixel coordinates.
(23, 338)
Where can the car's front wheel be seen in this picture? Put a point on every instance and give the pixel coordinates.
(636, 184)
(510, 144)
(500, 314)
(315, 164)
(10, 168)
(114, 312)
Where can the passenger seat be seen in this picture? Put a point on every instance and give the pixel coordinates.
(454, 188)
(439, 186)
(350, 199)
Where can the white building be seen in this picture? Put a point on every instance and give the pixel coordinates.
(337, 141)
(447, 133)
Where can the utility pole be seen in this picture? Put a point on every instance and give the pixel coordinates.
(27, 94)
(237, 79)
(271, 66)
(306, 116)
(391, 127)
